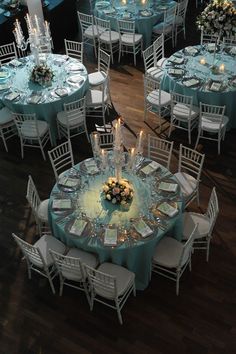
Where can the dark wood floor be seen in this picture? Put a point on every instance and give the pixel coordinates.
(201, 320)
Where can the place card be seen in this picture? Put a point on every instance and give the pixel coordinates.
(61, 204)
(142, 228)
(211, 47)
(167, 209)
(110, 237)
(12, 96)
(151, 167)
(168, 187)
(78, 226)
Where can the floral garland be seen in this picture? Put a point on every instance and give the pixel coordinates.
(218, 17)
(42, 75)
(118, 192)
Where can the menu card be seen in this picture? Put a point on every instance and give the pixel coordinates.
(91, 167)
(167, 209)
(151, 167)
(61, 204)
(78, 227)
(168, 187)
(110, 237)
(142, 228)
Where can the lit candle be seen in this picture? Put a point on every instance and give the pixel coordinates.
(140, 140)
(47, 33)
(28, 21)
(123, 2)
(203, 61)
(131, 158)
(37, 23)
(143, 2)
(222, 68)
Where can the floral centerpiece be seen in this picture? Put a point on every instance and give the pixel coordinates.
(42, 75)
(219, 17)
(118, 192)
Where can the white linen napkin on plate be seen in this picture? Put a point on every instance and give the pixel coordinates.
(168, 187)
(151, 167)
(142, 228)
(167, 209)
(61, 204)
(78, 227)
(110, 237)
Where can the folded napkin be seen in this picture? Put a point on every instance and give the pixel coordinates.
(176, 60)
(191, 50)
(142, 228)
(109, 11)
(110, 237)
(4, 86)
(68, 181)
(216, 86)
(75, 67)
(76, 79)
(175, 71)
(12, 96)
(4, 74)
(61, 204)
(61, 92)
(78, 227)
(151, 167)
(190, 82)
(34, 99)
(91, 166)
(167, 209)
(168, 187)
(15, 63)
(145, 13)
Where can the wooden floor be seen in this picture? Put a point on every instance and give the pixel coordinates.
(201, 320)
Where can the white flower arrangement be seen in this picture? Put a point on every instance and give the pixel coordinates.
(219, 17)
(118, 192)
(42, 75)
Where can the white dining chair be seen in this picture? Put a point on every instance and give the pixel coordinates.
(171, 257)
(180, 19)
(154, 59)
(101, 74)
(32, 132)
(167, 26)
(105, 141)
(205, 224)
(212, 121)
(61, 158)
(207, 38)
(189, 173)
(71, 271)
(88, 30)
(8, 52)
(39, 207)
(7, 126)
(184, 115)
(38, 258)
(110, 283)
(156, 100)
(130, 42)
(160, 150)
(107, 38)
(71, 121)
(74, 49)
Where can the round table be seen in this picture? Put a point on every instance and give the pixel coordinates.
(190, 72)
(132, 250)
(145, 15)
(69, 75)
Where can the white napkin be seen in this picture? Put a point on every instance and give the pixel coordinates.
(175, 71)
(68, 182)
(110, 237)
(168, 187)
(78, 227)
(191, 50)
(15, 63)
(61, 204)
(215, 86)
(4, 86)
(167, 209)
(34, 99)
(12, 96)
(176, 60)
(76, 79)
(61, 92)
(4, 74)
(151, 167)
(142, 228)
(191, 82)
(91, 166)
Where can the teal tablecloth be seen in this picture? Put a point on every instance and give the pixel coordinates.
(132, 11)
(50, 104)
(135, 254)
(203, 91)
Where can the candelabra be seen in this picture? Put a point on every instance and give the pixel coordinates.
(39, 36)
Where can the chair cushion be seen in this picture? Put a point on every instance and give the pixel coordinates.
(190, 220)
(28, 129)
(97, 78)
(161, 62)
(45, 243)
(153, 98)
(5, 116)
(168, 252)
(90, 30)
(188, 183)
(182, 111)
(162, 28)
(155, 72)
(127, 38)
(94, 98)
(85, 257)
(62, 118)
(105, 37)
(211, 126)
(42, 211)
(124, 277)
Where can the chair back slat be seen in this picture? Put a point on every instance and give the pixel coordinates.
(31, 253)
(8, 52)
(102, 283)
(32, 195)
(61, 157)
(66, 265)
(187, 248)
(74, 49)
(160, 150)
(213, 208)
(191, 161)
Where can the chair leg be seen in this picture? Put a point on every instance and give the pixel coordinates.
(189, 132)
(177, 283)
(51, 283)
(198, 137)
(118, 312)
(4, 141)
(208, 250)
